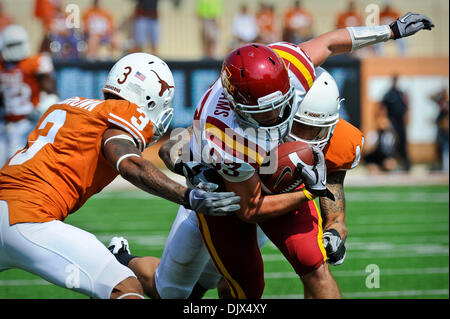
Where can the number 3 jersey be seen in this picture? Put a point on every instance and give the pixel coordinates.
(62, 164)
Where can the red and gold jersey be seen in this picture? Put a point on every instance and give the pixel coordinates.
(19, 85)
(62, 164)
(343, 151)
(235, 150)
(299, 64)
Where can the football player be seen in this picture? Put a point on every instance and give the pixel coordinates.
(77, 148)
(254, 92)
(27, 87)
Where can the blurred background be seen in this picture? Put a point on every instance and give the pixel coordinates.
(395, 92)
(85, 37)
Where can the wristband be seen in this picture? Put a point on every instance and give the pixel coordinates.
(124, 157)
(333, 231)
(178, 168)
(308, 195)
(121, 136)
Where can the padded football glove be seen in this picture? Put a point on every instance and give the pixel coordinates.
(409, 24)
(214, 204)
(315, 176)
(199, 175)
(334, 247)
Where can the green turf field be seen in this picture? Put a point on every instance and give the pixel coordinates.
(402, 232)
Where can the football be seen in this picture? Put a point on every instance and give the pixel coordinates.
(284, 177)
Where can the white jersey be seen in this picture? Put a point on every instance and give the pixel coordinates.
(235, 150)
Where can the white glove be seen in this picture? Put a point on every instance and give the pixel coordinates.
(334, 247)
(409, 24)
(211, 203)
(315, 176)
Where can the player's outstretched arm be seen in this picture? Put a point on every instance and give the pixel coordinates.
(333, 214)
(172, 149)
(353, 38)
(120, 150)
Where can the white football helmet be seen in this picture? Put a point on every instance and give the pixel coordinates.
(15, 43)
(146, 81)
(319, 109)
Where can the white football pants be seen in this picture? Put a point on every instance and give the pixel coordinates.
(185, 260)
(61, 254)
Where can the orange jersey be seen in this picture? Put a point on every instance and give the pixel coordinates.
(20, 86)
(388, 16)
(266, 21)
(45, 10)
(62, 164)
(344, 149)
(348, 19)
(98, 22)
(298, 18)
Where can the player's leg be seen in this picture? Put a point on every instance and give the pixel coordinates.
(65, 256)
(212, 279)
(233, 247)
(299, 237)
(154, 35)
(184, 257)
(143, 267)
(320, 284)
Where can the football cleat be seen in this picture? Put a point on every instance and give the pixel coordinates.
(119, 245)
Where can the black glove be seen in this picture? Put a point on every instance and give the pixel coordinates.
(315, 176)
(409, 24)
(334, 247)
(199, 175)
(214, 204)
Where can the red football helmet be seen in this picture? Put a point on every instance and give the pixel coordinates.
(255, 80)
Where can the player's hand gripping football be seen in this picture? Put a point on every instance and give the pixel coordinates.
(334, 247)
(315, 176)
(409, 24)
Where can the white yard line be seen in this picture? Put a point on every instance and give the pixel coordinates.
(362, 273)
(279, 275)
(374, 294)
(355, 196)
(24, 282)
(367, 255)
